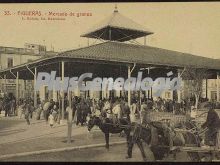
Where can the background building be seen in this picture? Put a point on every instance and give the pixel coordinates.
(211, 89)
(11, 56)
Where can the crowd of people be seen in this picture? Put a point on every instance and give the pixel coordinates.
(8, 104)
(112, 108)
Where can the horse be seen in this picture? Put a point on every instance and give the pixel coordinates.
(157, 146)
(108, 127)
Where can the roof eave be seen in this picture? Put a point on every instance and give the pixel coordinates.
(137, 30)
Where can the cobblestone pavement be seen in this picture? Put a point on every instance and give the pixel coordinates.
(17, 137)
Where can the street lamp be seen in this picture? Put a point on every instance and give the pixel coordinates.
(148, 72)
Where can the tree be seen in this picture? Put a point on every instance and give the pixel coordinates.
(194, 78)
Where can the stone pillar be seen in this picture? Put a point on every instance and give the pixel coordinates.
(91, 94)
(179, 91)
(129, 91)
(110, 34)
(42, 93)
(76, 92)
(103, 94)
(35, 92)
(69, 94)
(218, 87)
(54, 93)
(5, 86)
(151, 92)
(206, 88)
(17, 86)
(69, 122)
(104, 91)
(140, 96)
(108, 93)
(62, 90)
(117, 93)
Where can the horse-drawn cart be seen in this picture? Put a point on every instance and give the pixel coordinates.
(193, 149)
(202, 153)
(166, 116)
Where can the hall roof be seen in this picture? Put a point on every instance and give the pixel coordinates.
(116, 53)
(117, 27)
(131, 53)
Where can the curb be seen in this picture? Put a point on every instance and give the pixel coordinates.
(58, 150)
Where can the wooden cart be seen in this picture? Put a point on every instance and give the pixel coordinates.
(202, 154)
(195, 153)
(166, 116)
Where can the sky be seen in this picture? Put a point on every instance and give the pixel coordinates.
(190, 27)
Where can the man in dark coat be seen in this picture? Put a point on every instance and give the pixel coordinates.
(170, 106)
(27, 112)
(1, 105)
(82, 112)
(177, 107)
(7, 105)
(166, 106)
(213, 125)
(85, 110)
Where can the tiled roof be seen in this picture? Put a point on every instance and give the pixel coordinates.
(119, 25)
(130, 53)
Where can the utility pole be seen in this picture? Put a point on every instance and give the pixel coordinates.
(129, 90)
(218, 87)
(69, 120)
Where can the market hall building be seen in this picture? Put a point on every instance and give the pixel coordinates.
(114, 57)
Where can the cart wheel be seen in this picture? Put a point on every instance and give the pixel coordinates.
(195, 157)
(217, 156)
